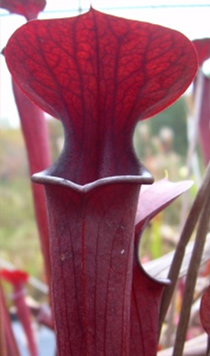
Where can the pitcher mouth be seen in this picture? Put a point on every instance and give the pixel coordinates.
(45, 178)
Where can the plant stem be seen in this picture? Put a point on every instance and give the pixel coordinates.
(35, 135)
(193, 125)
(3, 349)
(208, 347)
(184, 239)
(8, 345)
(191, 277)
(24, 317)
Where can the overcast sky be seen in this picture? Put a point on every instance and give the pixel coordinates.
(191, 17)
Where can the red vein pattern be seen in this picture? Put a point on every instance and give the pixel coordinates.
(91, 255)
(27, 8)
(99, 74)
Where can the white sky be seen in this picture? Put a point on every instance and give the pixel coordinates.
(182, 15)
